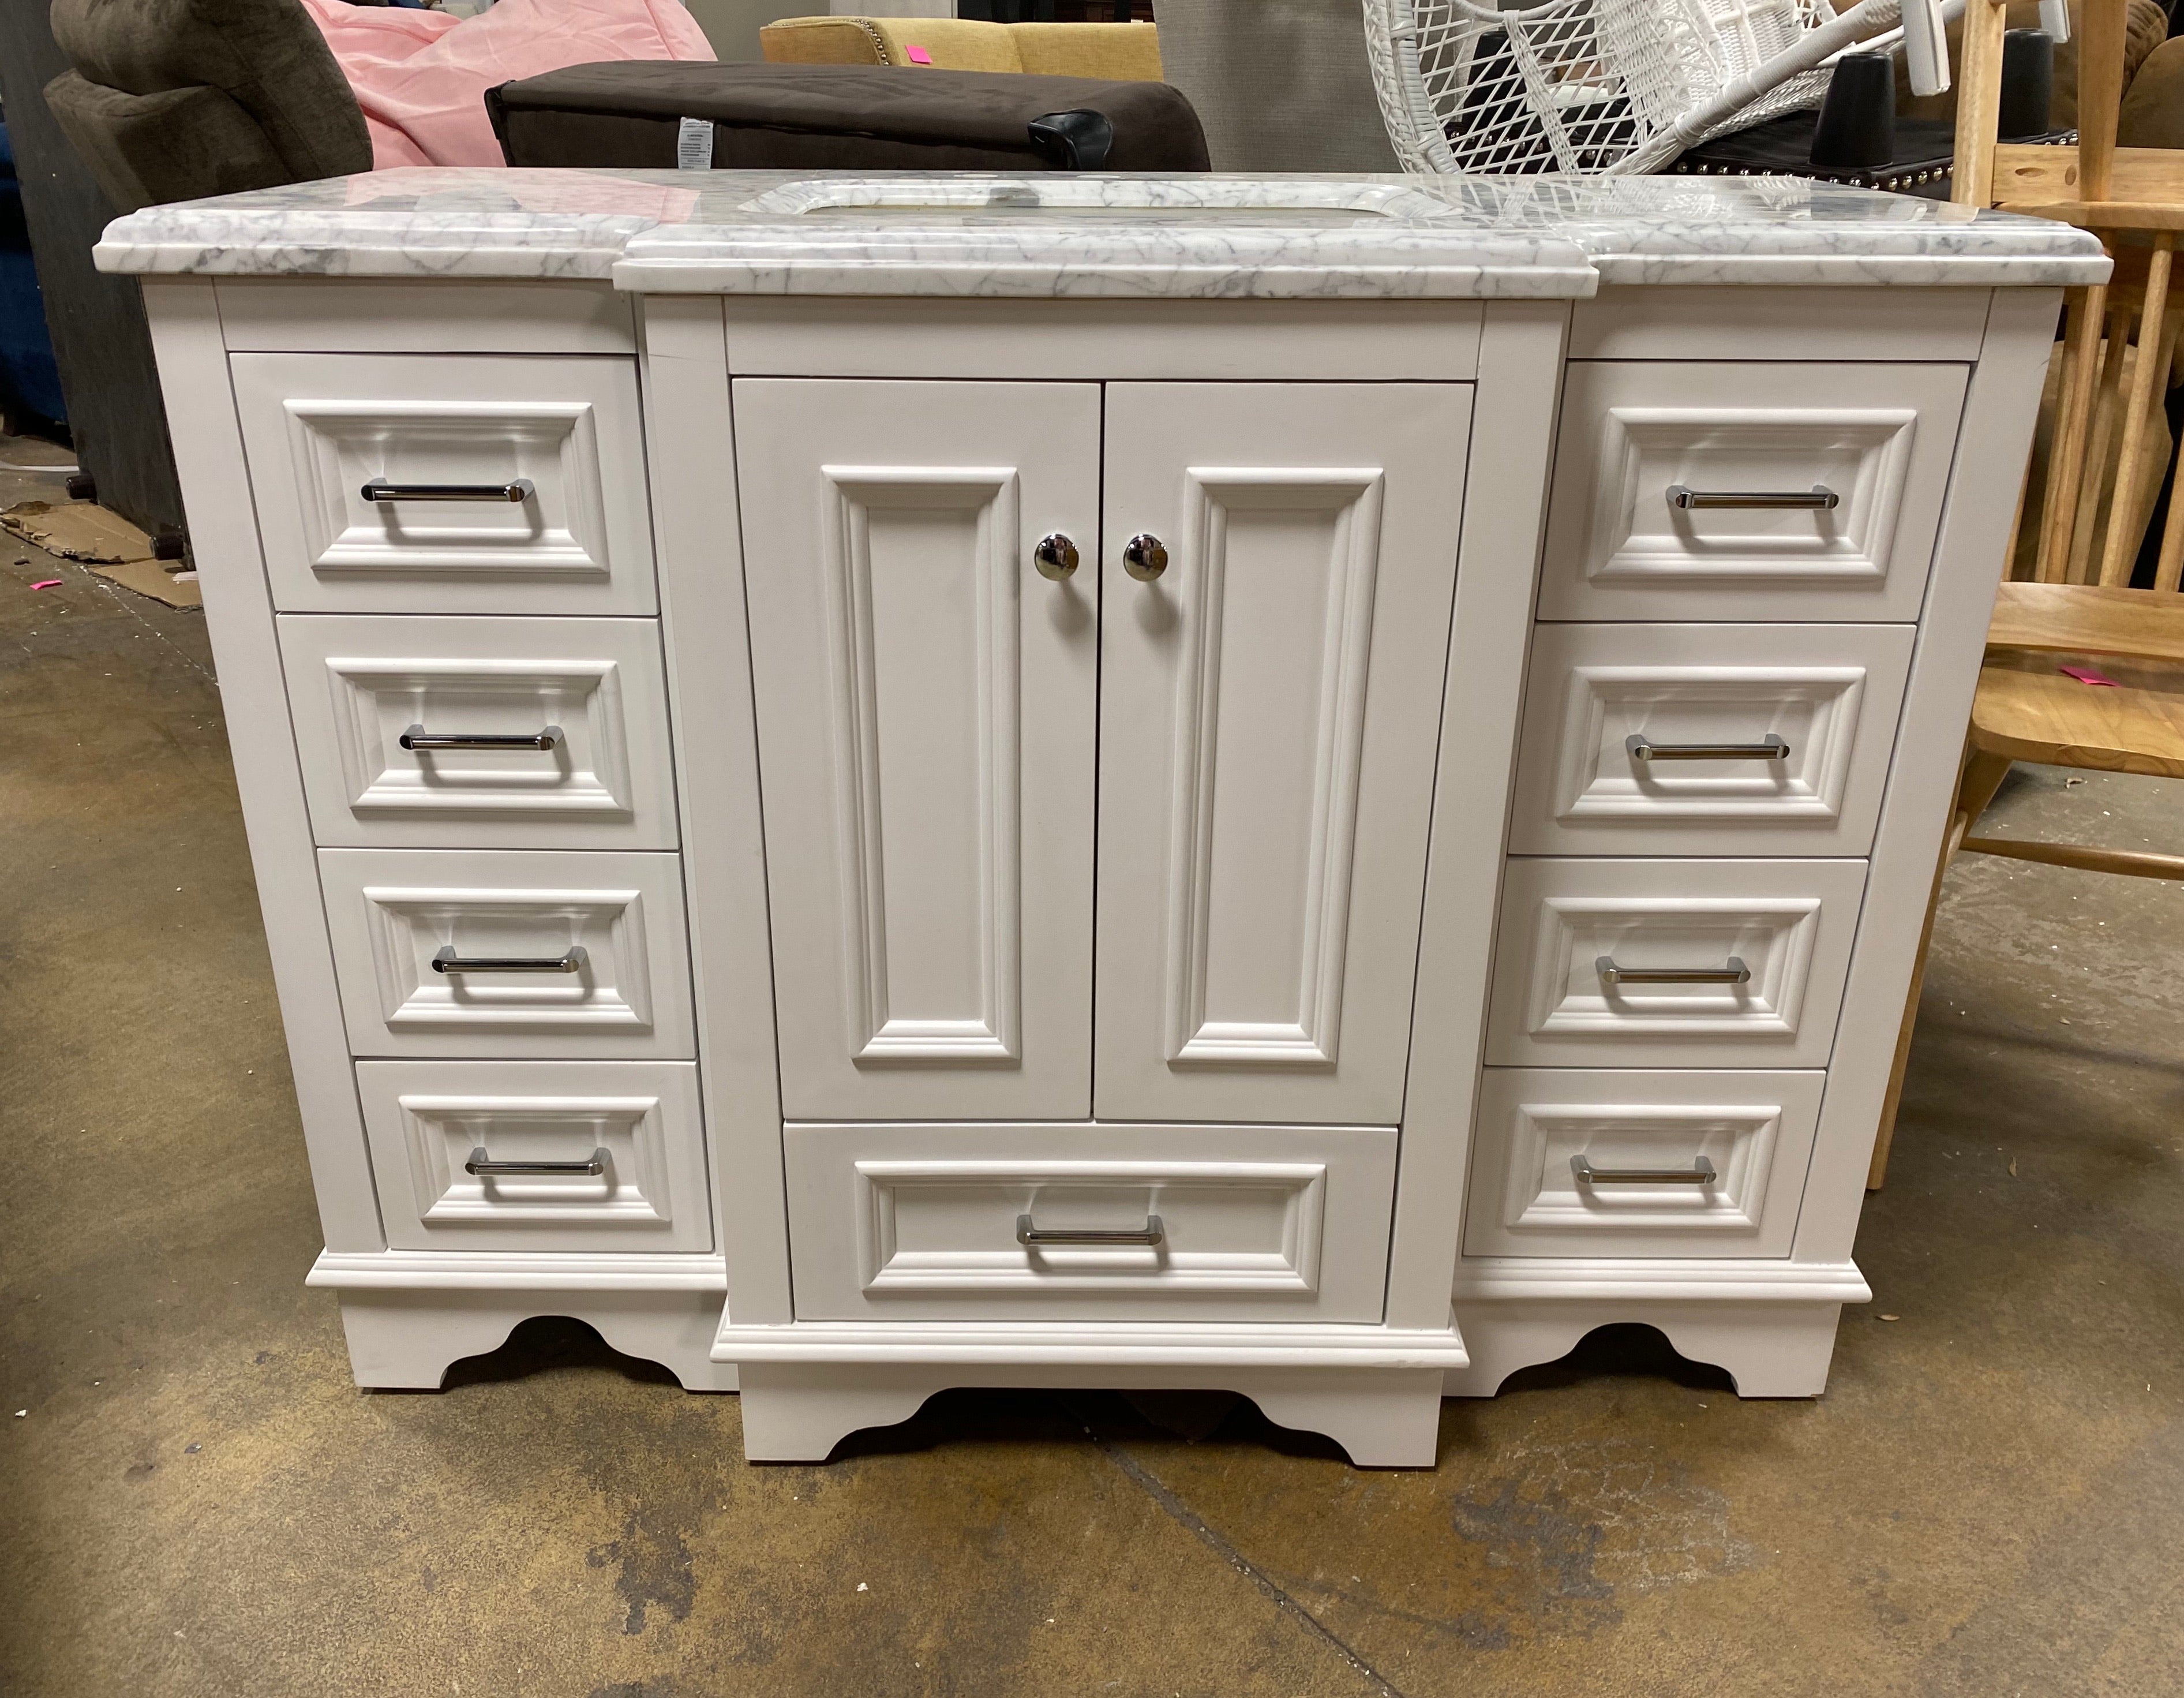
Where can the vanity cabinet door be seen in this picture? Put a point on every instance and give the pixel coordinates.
(1270, 710)
(926, 714)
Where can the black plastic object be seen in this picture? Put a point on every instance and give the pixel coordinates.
(169, 544)
(2028, 84)
(841, 117)
(1078, 140)
(83, 487)
(1857, 117)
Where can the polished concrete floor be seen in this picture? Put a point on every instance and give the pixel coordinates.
(194, 1500)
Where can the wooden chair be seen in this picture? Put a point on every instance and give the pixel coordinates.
(2135, 193)
(2029, 709)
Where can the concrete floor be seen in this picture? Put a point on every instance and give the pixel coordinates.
(196, 1501)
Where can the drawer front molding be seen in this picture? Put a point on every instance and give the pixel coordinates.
(426, 1119)
(1787, 926)
(617, 919)
(1754, 1131)
(1617, 716)
(1866, 447)
(564, 433)
(360, 685)
(1002, 1222)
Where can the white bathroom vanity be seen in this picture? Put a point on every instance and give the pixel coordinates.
(1310, 786)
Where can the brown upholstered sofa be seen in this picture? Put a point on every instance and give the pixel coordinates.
(175, 99)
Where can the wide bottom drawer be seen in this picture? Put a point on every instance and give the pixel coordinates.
(1090, 1222)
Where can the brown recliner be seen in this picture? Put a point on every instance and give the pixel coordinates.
(178, 99)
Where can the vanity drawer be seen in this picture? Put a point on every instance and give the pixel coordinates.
(636, 1122)
(1736, 1144)
(318, 428)
(371, 697)
(1571, 929)
(923, 1222)
(1708, 739)
(598, 958)
(1658, 464)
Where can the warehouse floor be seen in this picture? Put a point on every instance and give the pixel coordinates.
(195, 1500)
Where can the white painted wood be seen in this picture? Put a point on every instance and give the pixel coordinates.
(1998, 419)
(691, 461)
(392, 911)
(1838, 325)
(1829, 692)
(358, 683)
(1773, 1349)
(1879, 437)
(534, 1270)
(201, 419)
(920, 1222)
(1755, 1129)
(1257, 936)
(1155, 340)
(1789, 922)
(927, 731)
(319, 427)
(426, 1119)
(1519, 380)
(452, 315)
(798, 1411)
(400, 1339)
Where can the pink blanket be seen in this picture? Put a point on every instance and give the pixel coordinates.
(421, 76)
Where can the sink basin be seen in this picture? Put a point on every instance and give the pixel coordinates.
(1073, 199)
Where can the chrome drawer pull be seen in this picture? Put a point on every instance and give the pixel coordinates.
(417, 737)
(481, 1163)
(1700, 1172)
(1768, 748)
(379, 490)
(1818, 498)
(447, 961)
(1152, 1233)
(1733, 972)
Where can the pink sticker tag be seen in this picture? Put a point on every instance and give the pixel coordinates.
(47, 584)
(2088, 675)
(916, 55)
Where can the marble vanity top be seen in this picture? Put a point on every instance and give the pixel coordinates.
(1216, 237)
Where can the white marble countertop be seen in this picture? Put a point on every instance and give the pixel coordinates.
(774, 233)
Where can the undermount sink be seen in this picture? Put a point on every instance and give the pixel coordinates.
(1286, 201)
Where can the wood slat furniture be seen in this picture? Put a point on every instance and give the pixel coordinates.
(2029, 709)
(2133, 193)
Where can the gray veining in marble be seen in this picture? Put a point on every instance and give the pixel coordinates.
(975, 234)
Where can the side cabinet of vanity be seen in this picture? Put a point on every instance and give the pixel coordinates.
(881, 838)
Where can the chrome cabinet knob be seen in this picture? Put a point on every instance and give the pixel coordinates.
(1145, 557)
(1055, 556)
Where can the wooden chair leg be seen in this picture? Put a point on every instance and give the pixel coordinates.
(2155, 349)
(2170, 569)
(2095, 478)
(2066, 448)
(1981, 777)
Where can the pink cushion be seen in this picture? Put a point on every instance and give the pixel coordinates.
(421, 76)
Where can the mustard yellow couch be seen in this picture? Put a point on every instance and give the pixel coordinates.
(1114, 52)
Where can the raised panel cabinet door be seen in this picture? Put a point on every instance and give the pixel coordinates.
(1270, 708)
(927, 715)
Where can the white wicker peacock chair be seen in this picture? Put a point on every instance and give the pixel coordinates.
(1601, 87)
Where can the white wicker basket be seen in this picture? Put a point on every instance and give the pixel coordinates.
(1595, 87)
